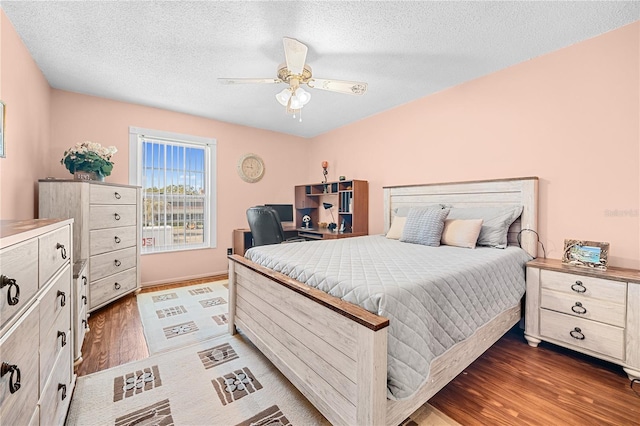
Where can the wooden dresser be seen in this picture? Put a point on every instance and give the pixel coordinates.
(36, 337)
(106, 232)
(590, 311)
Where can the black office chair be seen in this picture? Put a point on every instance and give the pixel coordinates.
(266, 227)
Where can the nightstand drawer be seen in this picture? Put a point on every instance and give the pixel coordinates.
(584, 286)
(99, 194)
(584, 307)
(582, 333)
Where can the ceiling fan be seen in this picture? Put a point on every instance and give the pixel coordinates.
(296, 73)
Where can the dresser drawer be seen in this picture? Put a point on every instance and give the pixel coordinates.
(105, 240)
(112, 287)
(102, 194)
(588, 287)
(19, 348)
(602, 338)
(101, 217)
(80, 329)
(56, 340)
(56, 301)
(54, 251)
(19, 270)
(112, 262)
(56, 394)
(584, 307)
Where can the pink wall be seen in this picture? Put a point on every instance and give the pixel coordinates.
(26, 94)
(78, 117)
(571, 117)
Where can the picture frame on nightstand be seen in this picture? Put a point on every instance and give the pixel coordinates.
(586, 254)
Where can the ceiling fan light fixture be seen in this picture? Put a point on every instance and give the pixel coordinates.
(283, 97)
(303, 96)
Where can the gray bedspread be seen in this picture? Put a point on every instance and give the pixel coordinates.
(434, 297)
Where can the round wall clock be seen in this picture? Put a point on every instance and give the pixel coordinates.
(251, 168)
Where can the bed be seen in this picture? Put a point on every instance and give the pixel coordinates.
(336, 352)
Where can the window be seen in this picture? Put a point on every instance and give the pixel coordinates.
(177, 176)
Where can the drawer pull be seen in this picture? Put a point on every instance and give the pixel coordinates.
(11, 282)
(579, 309)
(63, 298)
(117, 216)
(14, 385)
(84, 300)
(576, 333)
(117, 195)
(64, 390)
(117, 286)
(578, 287)
(118, 240)
(63, 251)
(84, 324)
(64, 338)
(84, 280)
(117, 262)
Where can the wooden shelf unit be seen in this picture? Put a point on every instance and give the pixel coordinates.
(352, 205)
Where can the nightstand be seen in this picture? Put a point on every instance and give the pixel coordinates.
(587, 310)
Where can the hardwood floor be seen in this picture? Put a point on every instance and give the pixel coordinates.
(511, 384)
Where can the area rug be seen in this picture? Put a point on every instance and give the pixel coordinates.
(221, 381)
(184, 315)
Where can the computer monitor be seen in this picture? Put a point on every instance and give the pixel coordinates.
(285, 211)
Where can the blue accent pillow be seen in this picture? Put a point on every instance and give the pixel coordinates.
(424, 226)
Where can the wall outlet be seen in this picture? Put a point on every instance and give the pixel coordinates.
(229, 251)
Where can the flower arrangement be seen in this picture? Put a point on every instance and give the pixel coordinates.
(89, 157)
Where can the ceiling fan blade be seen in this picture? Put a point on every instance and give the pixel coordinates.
(341, 86)
(249, 80)
(295, 53)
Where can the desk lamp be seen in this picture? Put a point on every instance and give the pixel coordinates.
(332, 226)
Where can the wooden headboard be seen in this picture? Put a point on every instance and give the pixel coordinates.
(496, 192)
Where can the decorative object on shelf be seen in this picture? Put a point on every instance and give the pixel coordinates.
(332, 226)
(89, 160)
(306, 220)
(588, 254)
(342, 228)
(251, 168)
(2, 115)
(325, 165)
(341, 178)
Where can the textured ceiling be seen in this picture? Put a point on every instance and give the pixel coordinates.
(169, 54)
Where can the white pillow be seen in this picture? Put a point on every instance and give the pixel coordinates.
(461, 233)
(397, 225)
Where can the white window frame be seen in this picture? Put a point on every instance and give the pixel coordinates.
(135, 177)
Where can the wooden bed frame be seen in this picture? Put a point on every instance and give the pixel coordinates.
(335, 352)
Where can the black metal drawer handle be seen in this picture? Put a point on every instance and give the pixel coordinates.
(576, 333)
(85, 324)
(117, 195)
(84, 280)
(63, 251)
(64, 338)
(579, 309)
(84, 300)
(578, 287)
(64, 390)
(117, 286)
(117, 216)
(11, 282)
(63, 298)
(14, 382)
(117, 262)
(118, 240)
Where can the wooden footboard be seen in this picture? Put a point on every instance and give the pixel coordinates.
(334, 352)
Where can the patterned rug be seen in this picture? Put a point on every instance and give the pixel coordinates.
(181, 316)
(221, 381)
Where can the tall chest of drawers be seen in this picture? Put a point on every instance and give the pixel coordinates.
(36, 361)
(589, 311)
(106, 233)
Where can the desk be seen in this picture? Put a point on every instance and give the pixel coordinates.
(243, 240)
